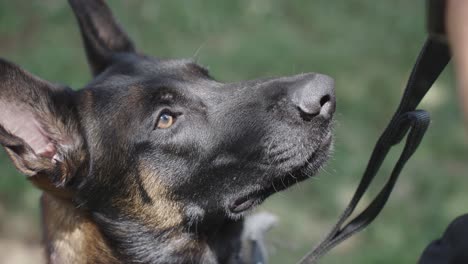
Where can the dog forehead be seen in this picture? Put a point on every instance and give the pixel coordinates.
(132, 75)
(138, 66)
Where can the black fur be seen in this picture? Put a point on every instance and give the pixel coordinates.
(232, 145)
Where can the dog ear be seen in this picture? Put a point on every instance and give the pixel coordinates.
(39, 127)
(102, 35)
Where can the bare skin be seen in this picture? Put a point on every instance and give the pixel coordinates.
(457, 33)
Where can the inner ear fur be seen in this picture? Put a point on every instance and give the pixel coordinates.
(39, 127)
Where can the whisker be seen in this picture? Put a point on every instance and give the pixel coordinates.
(283, 183)
(195, 55)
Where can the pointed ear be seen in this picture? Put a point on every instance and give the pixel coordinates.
(102, 35)
(39, 127)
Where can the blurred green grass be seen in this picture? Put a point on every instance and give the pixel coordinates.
(367, 46)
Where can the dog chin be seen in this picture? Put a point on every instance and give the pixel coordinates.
(243, 203)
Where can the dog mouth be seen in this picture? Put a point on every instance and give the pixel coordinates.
(245, 203)
(300, 173)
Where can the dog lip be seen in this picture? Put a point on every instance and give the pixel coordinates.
(327, 140)
(242, 204)
(246, 202)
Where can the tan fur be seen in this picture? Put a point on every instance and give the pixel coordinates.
(70, 236)
(164, 212)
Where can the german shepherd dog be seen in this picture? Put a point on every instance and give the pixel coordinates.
(154, 161)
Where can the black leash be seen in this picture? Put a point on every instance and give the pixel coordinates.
(432, 59)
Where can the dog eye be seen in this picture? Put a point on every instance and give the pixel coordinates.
(165, 120)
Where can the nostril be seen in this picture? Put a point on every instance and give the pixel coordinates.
(311, 110)
(325, 99)
(307, 116)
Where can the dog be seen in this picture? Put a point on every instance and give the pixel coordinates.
(155, 161)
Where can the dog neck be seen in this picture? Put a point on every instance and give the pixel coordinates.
(72, 236)
(135, 242)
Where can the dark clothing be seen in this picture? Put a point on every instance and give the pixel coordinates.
(452, 248)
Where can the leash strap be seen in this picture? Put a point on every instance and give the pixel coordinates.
(406, 121)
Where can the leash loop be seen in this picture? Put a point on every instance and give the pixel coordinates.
(406, 121)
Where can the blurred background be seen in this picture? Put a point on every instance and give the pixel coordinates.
(369, 48)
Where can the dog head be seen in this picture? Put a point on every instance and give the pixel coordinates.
(151, 144)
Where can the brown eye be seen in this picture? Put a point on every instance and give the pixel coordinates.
(166, 120)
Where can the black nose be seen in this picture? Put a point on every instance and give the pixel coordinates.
(314, 96)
